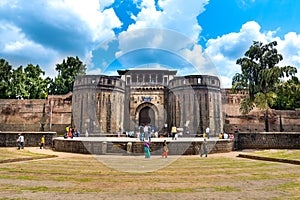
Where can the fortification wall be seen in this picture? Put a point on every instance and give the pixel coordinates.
(269, 140)
(279, 120)
(29, 115)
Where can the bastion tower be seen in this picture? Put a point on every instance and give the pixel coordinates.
(103, 104)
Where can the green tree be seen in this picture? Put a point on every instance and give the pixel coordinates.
(260, 75)
(17, 84)
(35, 84)
(5, 73)
(288, 95)
(67, 72)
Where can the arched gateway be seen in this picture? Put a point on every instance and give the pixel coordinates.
(146, 116)
(104, 104)
(146, 113)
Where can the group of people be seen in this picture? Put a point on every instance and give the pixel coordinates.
(21, 140)
(147, 150)
(146, 132)
(71, 132)
(226, 136)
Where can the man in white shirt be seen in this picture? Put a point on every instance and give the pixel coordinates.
(207, 132)
(20, 141)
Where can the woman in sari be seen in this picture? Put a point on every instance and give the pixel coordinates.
(147, 150)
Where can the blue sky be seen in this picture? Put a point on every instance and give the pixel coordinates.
(192, 36)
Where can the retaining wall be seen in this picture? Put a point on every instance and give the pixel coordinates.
(269, 140)
(31, 139)
(175, 147)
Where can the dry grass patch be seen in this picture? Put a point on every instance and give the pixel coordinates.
(186, 177)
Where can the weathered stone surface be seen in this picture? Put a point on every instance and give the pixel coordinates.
(32, 139)
(105, 104)
(137, 148)
(26, 115)
(269, 140)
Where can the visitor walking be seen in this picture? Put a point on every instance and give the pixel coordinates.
(147, 150)
(20, 141)
(147, 132)
(204, 150)
(173, 132)
(42, 142)
(165, 149)
(207, 132)
(142, 133)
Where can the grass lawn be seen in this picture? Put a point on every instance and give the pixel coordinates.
(77, 176)
(12, 155)
(281, 154)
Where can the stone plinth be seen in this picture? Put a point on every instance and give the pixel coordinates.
(130, 146)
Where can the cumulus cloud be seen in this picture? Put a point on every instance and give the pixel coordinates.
(289, 47)
(52, 30)
(226, 49)
(177, 15)
(168, 25)
(19, 50)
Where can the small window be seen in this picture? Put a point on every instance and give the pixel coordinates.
(199, 80)
(128, 80)
(134, 78)
(166, 80)
(160, 78)
(140, 78)
(147, 78)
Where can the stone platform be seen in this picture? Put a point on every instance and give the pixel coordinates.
(133, 146)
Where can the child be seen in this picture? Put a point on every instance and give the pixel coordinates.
(165, 149)
(42, 142)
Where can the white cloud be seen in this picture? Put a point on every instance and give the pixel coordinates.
(100, 23)
(173, 28)
(19, 50)
(53, 30)
(177, 15)
(199, 60)
(226, 49)
(289, 47)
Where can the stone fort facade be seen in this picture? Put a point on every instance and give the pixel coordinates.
(189, 101)
(105, 104)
